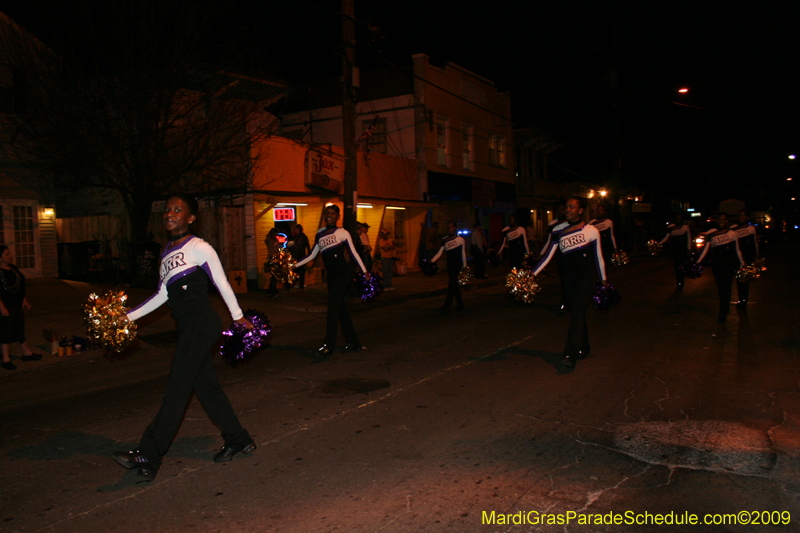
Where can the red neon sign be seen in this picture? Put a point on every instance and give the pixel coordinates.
(283, 214)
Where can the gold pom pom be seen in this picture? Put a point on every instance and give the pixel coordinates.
(653, 247)
(107, 320)
(280, 265)
(464, 276)
(748, 273)
(619, 258)
(523, 285)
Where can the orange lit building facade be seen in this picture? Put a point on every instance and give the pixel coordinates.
(435, 141)
(294, 181)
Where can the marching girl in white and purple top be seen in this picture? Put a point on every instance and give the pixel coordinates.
(332, 242)
(187, 264)
(679, 237)
(722, 247)
(748, 245)
(606, 228)
(455, 248)
(515, 238)
(582, 259)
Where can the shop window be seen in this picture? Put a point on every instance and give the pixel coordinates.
(24, 252)
(376, 140)
(466, 146)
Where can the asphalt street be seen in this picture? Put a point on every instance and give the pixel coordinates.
(457, 423)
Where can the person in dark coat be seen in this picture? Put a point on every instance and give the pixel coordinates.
(299, 249)
(13, 305)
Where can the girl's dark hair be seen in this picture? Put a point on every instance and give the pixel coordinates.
(190, 201)
(334, 207)
(581, 201)
(3, 249)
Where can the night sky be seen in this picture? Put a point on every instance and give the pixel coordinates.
(731, 138)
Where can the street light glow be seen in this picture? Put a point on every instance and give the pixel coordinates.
(683, 90)
(792, 156)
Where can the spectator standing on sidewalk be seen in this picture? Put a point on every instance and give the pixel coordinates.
(478, 251)
(299, 249)
(13, 305)
(386, 249)
(366, 254)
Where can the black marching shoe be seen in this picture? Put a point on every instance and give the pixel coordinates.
(135, 459)
(227, 452)
(9, 365)
(32, 357)
(569, 360)
(352, 348)
(323, 351)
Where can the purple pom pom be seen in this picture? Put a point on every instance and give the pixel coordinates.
(605, 297)
(369, 289)
(692, 270)
(428, 268)
(238, 342)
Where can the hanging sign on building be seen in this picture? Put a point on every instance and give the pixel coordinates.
(323, 172)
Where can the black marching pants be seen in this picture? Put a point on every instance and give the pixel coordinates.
(579, 287)
(478, 262)
(723, 275)
(192, 370)
(678, 260)
(516, 258)
(338, 285)
(743, 289)
(453, 289)
(301, 276)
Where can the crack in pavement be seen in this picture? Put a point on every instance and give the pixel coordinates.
(593, 496)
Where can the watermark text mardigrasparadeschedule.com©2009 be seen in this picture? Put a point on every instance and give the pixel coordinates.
(632, 518)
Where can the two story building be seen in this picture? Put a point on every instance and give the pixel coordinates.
(444, 131)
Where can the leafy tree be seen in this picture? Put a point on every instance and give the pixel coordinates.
(131, 99)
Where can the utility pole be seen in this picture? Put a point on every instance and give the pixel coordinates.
(349, 116)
